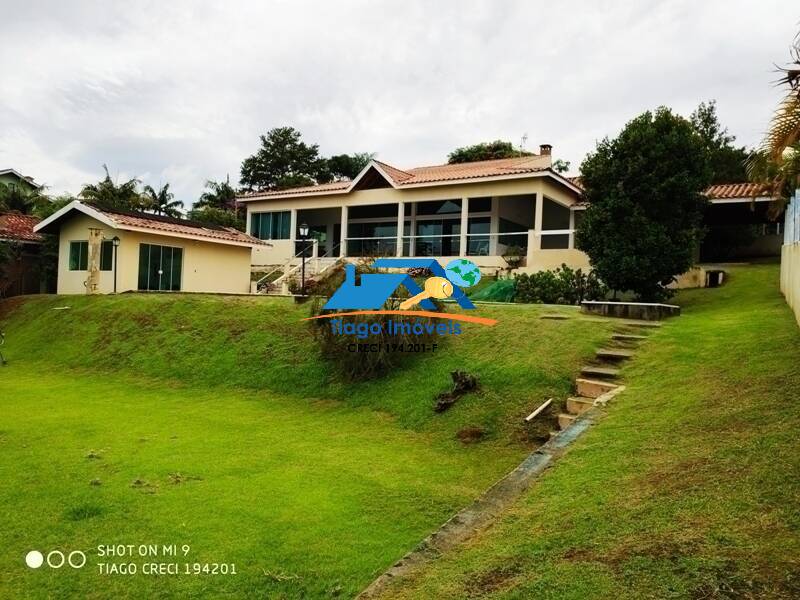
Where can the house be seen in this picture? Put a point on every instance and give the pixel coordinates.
(105, 251)
(15, 179)
(22, 273)
(481, 210)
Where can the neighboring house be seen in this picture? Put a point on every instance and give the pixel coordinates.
(738, 225)
(13, 179)
(153, 253)
(482, 210)
(22, 274)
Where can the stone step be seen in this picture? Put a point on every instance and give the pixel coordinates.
(593, 388)
(579, 405)
(644, 324)
(565, 420)
(602, 372)
(614, 353)
(628, 337)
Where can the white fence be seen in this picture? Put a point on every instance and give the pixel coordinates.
(790, 255)
(791, 223)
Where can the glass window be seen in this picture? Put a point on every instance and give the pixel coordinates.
(555, 242)
(372, 230)
(271, 225)
(374, 211)
(554, 216)
(478, 239)
(78, 256)
(477, 205)
(106, 255)
(438, 237)
(439, 208)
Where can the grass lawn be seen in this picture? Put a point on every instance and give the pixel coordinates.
(689, 488)
(210, 421)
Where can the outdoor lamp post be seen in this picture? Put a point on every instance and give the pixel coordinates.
(115, 242)
(303, 237)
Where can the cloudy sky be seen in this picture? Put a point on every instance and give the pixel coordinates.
(179, 91)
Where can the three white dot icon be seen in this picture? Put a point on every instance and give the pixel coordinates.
(55, 559)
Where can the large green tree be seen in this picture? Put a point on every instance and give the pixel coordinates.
(485, 151)
(283, 161)
(108, 194)
(348, 166)
(726, 161)
(645, 203)
(14, 198)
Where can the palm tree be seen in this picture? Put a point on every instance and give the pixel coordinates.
(776, 163)
(107, 194)
(219, 194)
(161, 202)
(15, 199)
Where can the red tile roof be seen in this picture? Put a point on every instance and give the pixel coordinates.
(431, 174)
(19, 228)
(737, 190)
(169, 225)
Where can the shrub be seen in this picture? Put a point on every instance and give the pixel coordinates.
(560, 286)
(514, 255)
(360, 366)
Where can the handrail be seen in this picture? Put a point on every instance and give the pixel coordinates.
(281, 268)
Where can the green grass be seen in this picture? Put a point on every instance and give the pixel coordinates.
(689, 487)
(212, 422)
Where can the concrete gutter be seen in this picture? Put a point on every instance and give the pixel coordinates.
(491, 503)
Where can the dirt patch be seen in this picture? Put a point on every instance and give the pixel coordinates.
(9, 305)
(494, 580)
(470, 434)
(463, 383)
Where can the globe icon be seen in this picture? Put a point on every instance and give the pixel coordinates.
(463, 272)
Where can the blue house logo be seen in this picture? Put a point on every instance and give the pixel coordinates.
(375, 289)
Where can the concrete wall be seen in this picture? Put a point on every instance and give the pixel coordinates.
(207, 267)
(790, 276)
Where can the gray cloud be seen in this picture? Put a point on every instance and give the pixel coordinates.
(180, 91)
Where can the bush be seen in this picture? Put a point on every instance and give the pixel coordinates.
(361, 366)
(560, 286)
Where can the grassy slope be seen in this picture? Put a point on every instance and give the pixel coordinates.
(688, 488)
(302, 483)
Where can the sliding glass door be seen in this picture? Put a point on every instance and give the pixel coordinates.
(160, 268)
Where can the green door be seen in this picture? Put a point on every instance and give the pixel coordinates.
(160, 268)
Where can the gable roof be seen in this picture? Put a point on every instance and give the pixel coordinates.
(15, 227)
(18, 175)
(431, 175)
(153, 224)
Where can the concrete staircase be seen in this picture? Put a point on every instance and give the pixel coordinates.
(599, 380)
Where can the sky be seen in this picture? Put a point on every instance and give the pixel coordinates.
(179, 92)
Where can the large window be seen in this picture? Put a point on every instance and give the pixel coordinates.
(438, 237)
(440, 207)
(555, 217)
(271, 225)
(160, 268)
(78, 256)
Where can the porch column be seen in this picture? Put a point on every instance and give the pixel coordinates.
(343, 233)
(293, 227)
(537, 222)
(571, 229)
(494, 225)
(412, 242)
(401, 213)
(463, 245)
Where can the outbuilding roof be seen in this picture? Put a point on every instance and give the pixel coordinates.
(19, 228)
(153, 224)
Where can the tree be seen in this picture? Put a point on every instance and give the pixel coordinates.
(645, 203)
(109, 195)
(283, 161)
(161, 202)
(560, 166)
(726, 161)
(485, 151)
(348, 166)
(776, 163)
(218, 194)
(212, 215)
(16, 199)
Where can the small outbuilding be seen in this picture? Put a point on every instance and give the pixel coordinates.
(105, 251)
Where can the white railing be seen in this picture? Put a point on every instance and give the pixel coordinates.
(791, 221)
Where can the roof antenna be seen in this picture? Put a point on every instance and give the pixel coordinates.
(522, 144)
